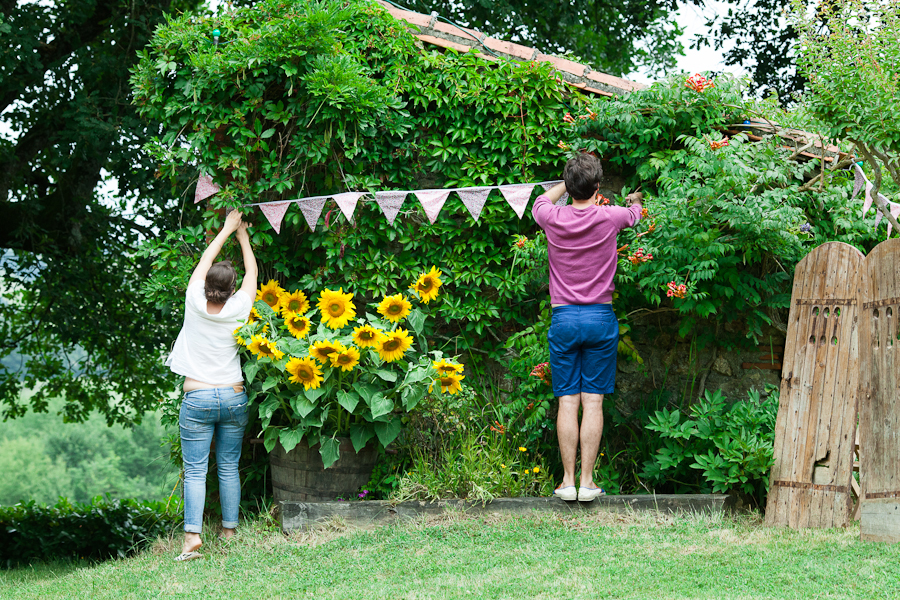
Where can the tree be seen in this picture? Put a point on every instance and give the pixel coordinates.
(70, 304)
(615, 37)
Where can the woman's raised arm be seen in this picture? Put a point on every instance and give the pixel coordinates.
(232, 221)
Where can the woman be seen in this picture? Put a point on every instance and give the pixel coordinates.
(215, 402)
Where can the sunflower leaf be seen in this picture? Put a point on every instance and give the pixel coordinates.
(412, 395)
(302, 406)
(360, 434)
(268, 407)
(330, 450)
(386, 375)
(289, 438)
(270, 382)
(387, 432)
(367, 391)
(250, 369)
(271, 438)
(314, 394)
(263, 309)
(348, 400)
(417, 320)
(380, 405)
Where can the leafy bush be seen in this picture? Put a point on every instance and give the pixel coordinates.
(105, 528)
(716, 448)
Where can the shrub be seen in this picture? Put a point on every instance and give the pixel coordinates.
(105, 528)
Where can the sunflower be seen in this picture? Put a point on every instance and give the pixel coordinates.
(253, 314)
(366, 336)
(393, 308)
(450, 382)
(427, 285)
(295, 302)
(298, 325)
(392, 345)
(321, 350)
(262, 347)
(346, 360)
(443, 367)
(337, 308)
(305, 371)
(270, 293)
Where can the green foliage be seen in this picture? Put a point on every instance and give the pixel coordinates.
(716, 448)
(102, 529)
(46, 458)
(70, 278)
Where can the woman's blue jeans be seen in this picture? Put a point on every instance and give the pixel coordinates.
(223, 413)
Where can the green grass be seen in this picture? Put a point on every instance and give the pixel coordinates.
(541, 556)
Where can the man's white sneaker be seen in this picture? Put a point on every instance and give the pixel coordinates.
(587, 494)
(566, 493)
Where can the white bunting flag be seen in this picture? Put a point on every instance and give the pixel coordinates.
(390, 204)
(274, 212)
(432, 201)
(347, 201)
(312, 209)
(474, 199)
(205, 188)
(517, 195)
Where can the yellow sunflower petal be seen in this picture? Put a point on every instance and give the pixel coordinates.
(451, 382)
(366, 336)
(444, 367)
(305, 371)
(323, 349)
(294, 302)
(393, 308)
(270, 293)
(393, 344)
(337, 308)
(346, 360)
(297, 324)
(427, 285)
(264, 348)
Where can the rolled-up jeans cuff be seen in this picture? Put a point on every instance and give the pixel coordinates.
(193, 528)
(229, 524)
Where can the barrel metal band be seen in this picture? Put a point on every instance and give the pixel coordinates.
(819, 487)
(874, 495)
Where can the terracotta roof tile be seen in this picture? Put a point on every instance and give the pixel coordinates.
(448, 44)
(516, 50)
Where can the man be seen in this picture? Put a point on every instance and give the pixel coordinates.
(584, 331)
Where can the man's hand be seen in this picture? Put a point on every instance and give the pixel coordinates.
(634, 198)
(232, 221)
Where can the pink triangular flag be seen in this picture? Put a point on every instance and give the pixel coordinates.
(859, 179)
(517, 195)
(205, 188)
(869, 199)
(347, 201)
(274, 212)
(562, 199)
(895, 212)
(312, 209)
(432, 201)
(474, 199)
(390, 204)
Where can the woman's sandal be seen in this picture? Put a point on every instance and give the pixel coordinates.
(566, 493)
(188, 556)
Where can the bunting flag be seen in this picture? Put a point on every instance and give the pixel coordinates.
(347, 202)
(474, 199)
(274, 212)
(517, 196)
(432, 201)
(205, 188)
(312, 209)
(860, 181)
(390, 204)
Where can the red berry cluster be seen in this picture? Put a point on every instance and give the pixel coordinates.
(698, 83)
(719, 144)
(639, 257)
(542, 372)
(676, 290)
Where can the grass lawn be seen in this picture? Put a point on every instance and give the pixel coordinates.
(542, 556)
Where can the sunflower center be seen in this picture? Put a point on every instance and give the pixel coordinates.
(266, 350)
(326, 351)
(304, 374)
(446, 381)
(366, 335)
(395, 309)
(426, 285)
(391, 345)
(270, 298)
(344, 359)
(294, 305)
(336, 310)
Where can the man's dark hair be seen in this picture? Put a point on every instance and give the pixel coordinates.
(582, 175)
(220, 280)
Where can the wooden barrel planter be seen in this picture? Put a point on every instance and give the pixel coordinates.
(300, 475)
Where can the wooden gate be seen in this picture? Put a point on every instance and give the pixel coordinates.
(809, 484)
(879, 407)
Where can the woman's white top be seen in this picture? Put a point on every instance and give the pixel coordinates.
(205, 349)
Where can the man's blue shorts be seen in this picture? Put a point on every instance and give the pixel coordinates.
(583, 343)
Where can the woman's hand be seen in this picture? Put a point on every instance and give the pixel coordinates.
(241, 233)
(232, 221)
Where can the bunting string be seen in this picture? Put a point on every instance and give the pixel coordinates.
(390, 202)
(861, 181)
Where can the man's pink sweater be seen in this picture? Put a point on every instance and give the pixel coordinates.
(582, 247)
